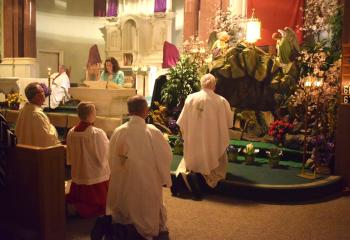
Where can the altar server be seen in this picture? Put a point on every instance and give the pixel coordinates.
(204, 123)
(140, 160)
(87, 153)
(59, 87)
(33, 127)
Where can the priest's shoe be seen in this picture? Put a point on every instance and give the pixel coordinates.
(194, 182)
(178, 186)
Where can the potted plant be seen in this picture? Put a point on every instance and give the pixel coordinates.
(232, 153)
(183, 80)
(278, 129)
(249, 154)
(322, 154)
(14, 100)
(275, 155)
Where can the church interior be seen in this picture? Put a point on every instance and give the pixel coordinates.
(283, 66)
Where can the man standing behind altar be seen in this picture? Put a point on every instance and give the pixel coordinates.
(204, 123)
(33, 127)
(59, 87)
(139, 159)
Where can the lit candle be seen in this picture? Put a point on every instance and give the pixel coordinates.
(135, 68)
(144, 69)
(49, 71)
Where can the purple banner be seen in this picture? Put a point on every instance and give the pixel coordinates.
(159, 5)
(112, 8)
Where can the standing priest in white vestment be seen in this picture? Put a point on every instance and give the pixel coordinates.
(204, 123)
(139, 159)
(33, 127)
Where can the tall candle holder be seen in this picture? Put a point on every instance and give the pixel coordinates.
(49, 84)
(141, 70)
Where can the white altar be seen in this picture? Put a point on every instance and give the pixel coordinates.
(108, 102)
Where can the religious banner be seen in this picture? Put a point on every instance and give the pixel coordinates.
(170, 55)
(112, 8)
(160, 6)
(277, 14)
(100, 8)
(105, 8)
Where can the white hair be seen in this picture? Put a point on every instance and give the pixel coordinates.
(208, 81)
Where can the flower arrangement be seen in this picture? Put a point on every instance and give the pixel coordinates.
(196, 50)
(14, 100)
(322, 152)
(249, 149)
(47, 90)
(159, 117)
(278, 129)
(275, 155)
(226, 21)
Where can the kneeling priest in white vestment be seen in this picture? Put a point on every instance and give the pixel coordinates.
(140, 159)
(33, 127)
(204, 123)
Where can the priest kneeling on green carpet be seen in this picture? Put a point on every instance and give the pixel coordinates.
(139, 159)
(204, 123)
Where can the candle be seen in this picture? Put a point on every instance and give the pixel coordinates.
(135, 68)
(144, 69)
(49, 71)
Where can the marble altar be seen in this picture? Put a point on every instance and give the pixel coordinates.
(108, 102)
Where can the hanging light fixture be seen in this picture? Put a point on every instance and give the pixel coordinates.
(253, 27)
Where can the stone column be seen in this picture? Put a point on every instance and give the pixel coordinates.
(208, 9)
(346, 20)
(191, 18)
(19, 28)
(19, 39)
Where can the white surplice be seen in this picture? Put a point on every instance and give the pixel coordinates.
(33, 127)
(140, 159)
(59, 89)
(204, 122)
(87, 152)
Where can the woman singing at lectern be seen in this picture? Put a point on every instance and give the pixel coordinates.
(112, 72)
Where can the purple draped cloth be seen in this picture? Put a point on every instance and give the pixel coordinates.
(100, 8)
(170, 55)
(94, 56)
(112, 8)
(159, 5)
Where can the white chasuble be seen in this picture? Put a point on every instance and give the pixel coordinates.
(140, 161)
(33, 127)
(204, 122)
(59, 89)
(87, 152)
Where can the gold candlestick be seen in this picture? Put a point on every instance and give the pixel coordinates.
(49, 84)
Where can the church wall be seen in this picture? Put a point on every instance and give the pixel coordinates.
(70, 28)
(1, 31)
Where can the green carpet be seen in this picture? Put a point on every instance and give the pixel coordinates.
(260, 173)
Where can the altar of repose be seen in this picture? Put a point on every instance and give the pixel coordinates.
(108, 102)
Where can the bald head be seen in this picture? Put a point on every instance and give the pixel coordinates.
(208, 81)
(137, 105)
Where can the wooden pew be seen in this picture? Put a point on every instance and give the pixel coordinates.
(33, 202)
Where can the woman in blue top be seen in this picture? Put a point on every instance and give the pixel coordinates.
(112, 71)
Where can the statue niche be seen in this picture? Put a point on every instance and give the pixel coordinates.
(130, 36)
